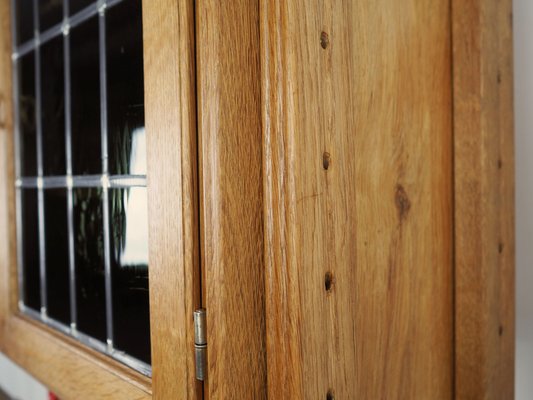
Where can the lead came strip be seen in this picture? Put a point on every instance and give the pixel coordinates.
(105, 179)
(68, 156)
(57, 30)
(18, 200)
(69, 182)
(40, 194)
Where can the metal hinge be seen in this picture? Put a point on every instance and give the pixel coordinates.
(200, 344)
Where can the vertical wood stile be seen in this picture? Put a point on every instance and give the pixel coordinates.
(484, 198)
(357, 121)
(170, 103)
(8, 277)
(231, 197)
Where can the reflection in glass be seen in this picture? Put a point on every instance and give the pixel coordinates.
(50, 13)
(30, 249)
(85, 99)
(27, 129)
(56, 248)
(53, 107)
(129, 268)
(125, 89)
(24, 20)
(82, 218)
(89, 261)
(78, 5)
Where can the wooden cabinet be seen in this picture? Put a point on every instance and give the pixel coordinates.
(333, 182)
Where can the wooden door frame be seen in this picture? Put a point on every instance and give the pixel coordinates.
(483, 205)
(65, 366)
(484, 199)
(231, 203)
(483, 172)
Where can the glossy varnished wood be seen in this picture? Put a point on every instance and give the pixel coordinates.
(231, 196)
(67, 368)
(8, 294)
(484, 199)
(357, 120)
(172, 194)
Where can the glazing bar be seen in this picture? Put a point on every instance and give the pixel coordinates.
(56, 30)
(82, 181)
(68, 156)
(105, 179)
(40, 193)
(16, 131)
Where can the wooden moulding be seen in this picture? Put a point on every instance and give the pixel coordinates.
(7, 200)
(484, 199)
(229, 130)
(170, 101)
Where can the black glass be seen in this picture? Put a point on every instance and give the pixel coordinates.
(81, 185)
(56, 254)
(89, 261)
(85, 99)
(128, 226)
(78, 5)
(26, 107)
(30, 249)
(24, 20)
(50, 13)
(125, 89)
(53, 108)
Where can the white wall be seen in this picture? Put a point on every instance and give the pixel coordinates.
(18, 384)
(523, 50)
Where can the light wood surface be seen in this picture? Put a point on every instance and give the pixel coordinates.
(231, 197)
(330, 183)
(8, 275)
(68, 368)
(368, 83)
(484, 199)
(172, 194)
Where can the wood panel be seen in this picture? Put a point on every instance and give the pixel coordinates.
(169, 61)
(357, 120)
(231, 197)
(67, 368)
(484, 199)
(7, 173)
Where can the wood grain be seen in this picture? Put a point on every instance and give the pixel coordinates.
(357, 120)
(69, 369)
(231, 197)
(172, 194)
(7, 173)
(484, 199)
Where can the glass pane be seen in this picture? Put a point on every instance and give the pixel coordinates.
(50, 13)
(89, 261)
(78, 5)
(109, 252)
(27, 129)
(125, 89)
(30, 249)
(24, 20)
(129, 268)
(85, 99)
(57, 260)
(53, 107)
